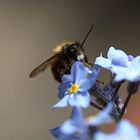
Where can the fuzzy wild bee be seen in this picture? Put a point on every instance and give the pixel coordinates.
(65, 54)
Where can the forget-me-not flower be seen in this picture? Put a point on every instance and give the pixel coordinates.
(125, 67)
(74, 128)
(130, 73)
(114, 58)
(73, 91)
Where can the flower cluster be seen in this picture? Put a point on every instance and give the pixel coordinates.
(78, 87)
(126, 67)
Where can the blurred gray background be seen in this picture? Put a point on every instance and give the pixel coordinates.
(29, 30)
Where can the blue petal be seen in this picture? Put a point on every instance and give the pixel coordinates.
(80, 99)
(73, 100)
(55, 132)
(124, 127)
(121, 72)
(75, 67)
(103, 136)
(118, 57)
(63, 102)
(63, 88)
(74, 131)
(84, 100)
(103, 62)
(136, 63)
(76, 114)
(68, 128)
(78, 71)
(85, 85)
(119, 62)
(131, 73)
(115, 54)
(130, 58)
(88, 82)
(67, 77)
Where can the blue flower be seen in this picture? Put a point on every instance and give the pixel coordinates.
(77, 128)
(73, 129)
(114, 58)
(125, 67)
(130, 73)
(73, 91)
(125, 131)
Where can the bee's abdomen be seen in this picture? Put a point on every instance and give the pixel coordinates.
(60, 68)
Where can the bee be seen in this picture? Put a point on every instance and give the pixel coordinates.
(65, 54)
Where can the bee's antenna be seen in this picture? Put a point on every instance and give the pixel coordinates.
(87, 34)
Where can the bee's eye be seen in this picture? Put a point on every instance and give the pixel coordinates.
(72, 49)
(75, 46)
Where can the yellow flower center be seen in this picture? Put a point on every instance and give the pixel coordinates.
(74, 88)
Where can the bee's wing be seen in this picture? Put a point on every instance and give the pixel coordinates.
(42, 67)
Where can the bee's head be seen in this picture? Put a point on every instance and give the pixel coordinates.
(74, 51)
